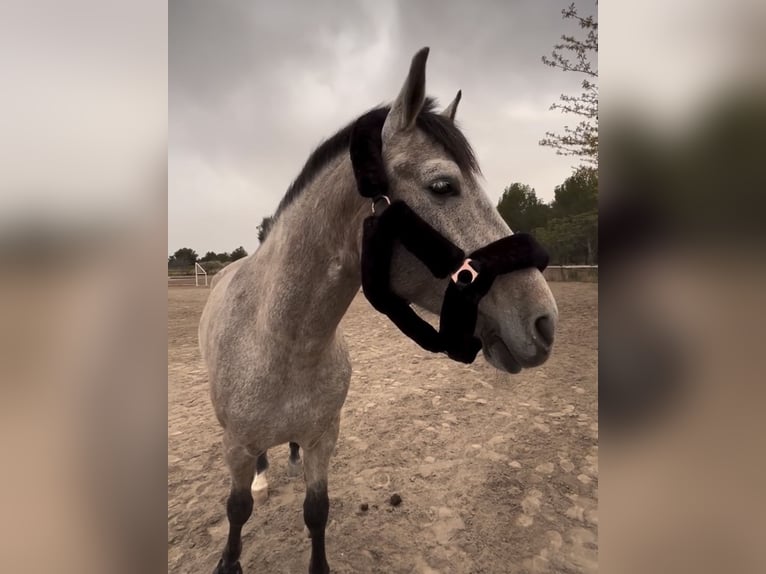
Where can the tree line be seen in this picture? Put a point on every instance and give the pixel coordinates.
(567, 226)
(183, 260)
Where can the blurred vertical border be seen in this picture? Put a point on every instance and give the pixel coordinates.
(83, 202)
(682, 285)
(83, 187)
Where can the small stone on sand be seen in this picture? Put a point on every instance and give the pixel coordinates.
(364, 507)
(395, 500)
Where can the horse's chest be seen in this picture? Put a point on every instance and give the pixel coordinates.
(290, 385)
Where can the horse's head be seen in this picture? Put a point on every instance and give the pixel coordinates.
(431, 167)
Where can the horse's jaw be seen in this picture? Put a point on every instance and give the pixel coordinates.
(497, 354)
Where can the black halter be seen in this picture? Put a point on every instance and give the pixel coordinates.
(471, 277)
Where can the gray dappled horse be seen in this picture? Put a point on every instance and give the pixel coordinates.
(278, 365)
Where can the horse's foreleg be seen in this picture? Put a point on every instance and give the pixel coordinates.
(294, 462)
(316, 506)
(239, 505)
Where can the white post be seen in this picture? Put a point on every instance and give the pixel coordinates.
(197, 269)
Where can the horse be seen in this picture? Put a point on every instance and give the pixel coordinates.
(278, 366)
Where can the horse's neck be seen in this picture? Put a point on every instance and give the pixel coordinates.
(314, 250)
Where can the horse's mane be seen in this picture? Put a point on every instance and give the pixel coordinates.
(440, 128)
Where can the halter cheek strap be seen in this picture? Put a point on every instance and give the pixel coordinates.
(399, 222)
(470, 277)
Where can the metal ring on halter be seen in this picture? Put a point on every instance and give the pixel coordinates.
(465, 267)
(378, 198)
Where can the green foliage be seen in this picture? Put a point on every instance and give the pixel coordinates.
(521, 208)
(568, 227)
(183, 260)
(578, 55)
(238, 253)
(264, 227)
(571, 240)
(578, 193)
(212, 266)
(183, 257)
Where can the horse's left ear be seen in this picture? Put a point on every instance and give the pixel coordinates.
(409, 102)
(451, 109)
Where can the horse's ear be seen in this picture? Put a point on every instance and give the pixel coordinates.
(451, 109)
(409, 102)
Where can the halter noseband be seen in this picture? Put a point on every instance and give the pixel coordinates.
(471, 277)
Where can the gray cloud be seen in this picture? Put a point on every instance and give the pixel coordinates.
(254, 87)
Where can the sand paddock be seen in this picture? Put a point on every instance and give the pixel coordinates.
(497, 473)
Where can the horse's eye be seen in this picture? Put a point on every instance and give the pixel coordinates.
(443, 187)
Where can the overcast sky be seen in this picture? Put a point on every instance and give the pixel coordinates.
(256, 85)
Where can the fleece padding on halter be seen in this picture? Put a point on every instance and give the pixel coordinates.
(461, 300)
(460, 307)
(397, 222)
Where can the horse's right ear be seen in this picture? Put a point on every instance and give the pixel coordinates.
(409, 102)
(451, 110)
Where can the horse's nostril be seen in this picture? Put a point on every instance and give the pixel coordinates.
(544, 326)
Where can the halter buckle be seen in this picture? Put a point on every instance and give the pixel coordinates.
(377, 199)
(466, 266)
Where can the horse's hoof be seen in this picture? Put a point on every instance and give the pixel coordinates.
(294, 468)
(260, 489)
(222, 569)
(324, 569)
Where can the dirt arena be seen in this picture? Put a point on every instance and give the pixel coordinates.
(497, 473)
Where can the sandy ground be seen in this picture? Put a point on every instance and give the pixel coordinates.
(497, 473)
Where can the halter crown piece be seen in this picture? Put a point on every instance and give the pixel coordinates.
(470, 277)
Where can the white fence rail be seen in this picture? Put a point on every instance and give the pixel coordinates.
(198, 279)
(587, 273)
(571, 273)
